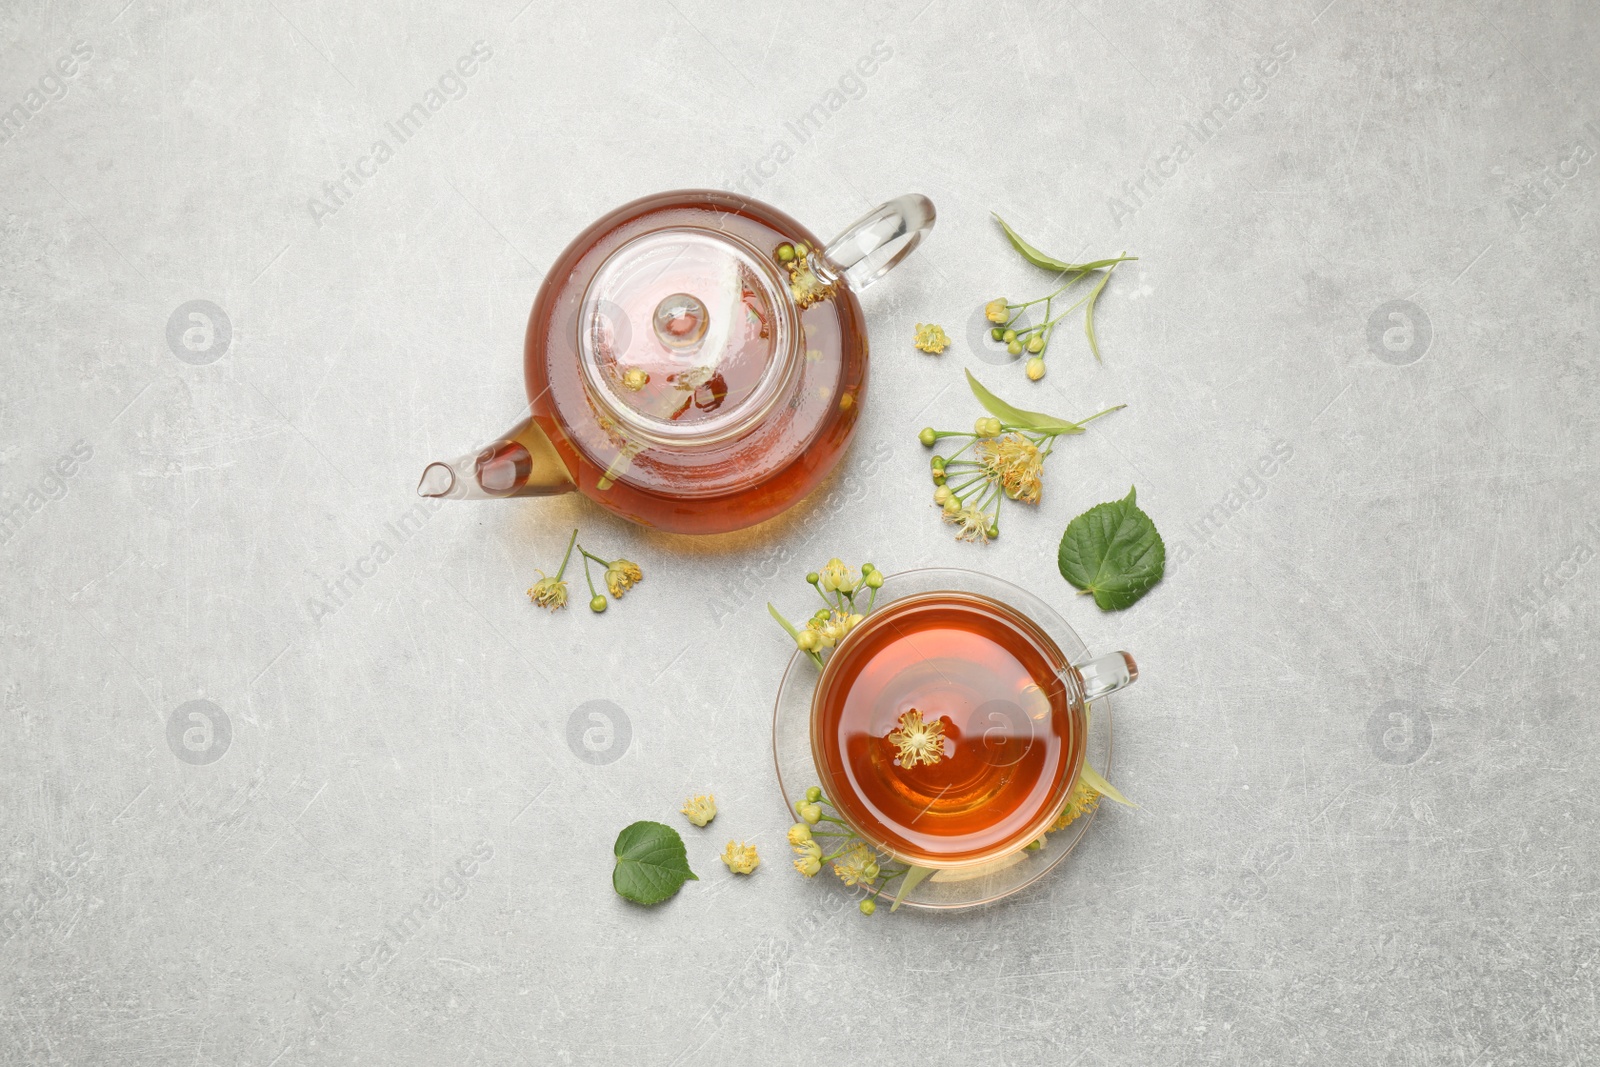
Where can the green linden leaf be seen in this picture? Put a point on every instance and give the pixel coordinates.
(1013, 416)
(652, 863)
(1088, 314)
(1038, 422)
(1113, 551)
(1039, 259)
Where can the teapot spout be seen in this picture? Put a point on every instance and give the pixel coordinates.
(521, 463)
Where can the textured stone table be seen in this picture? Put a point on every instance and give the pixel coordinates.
(1363, 743)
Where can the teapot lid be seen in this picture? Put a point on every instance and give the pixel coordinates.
(687, 336)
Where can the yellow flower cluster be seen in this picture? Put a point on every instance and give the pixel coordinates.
(620, 576)
(1016, 463)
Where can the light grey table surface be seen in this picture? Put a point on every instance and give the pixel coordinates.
(1363, 743)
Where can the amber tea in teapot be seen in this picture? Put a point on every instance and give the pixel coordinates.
(695, 362)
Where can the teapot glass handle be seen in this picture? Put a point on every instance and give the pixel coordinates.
(880, 240)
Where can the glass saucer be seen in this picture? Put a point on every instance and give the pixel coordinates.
(791, 746)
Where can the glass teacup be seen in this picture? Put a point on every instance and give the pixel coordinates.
(948, 728)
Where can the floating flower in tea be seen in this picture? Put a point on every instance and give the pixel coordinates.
(804, 283)
(916, 741)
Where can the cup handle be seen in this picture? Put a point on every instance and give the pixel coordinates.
(1104, 675)
(879, 240)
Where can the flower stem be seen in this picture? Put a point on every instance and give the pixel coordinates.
(964, 447)
(570, 542)
(1097, 414)
(597, 559)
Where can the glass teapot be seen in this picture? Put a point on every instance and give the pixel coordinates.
(695, 362)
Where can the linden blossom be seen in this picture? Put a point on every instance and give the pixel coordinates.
(451, 84)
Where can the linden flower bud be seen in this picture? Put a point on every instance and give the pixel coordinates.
(799, 834)
(874, 581)
(868, 906)
(995, 310)
(814, 794)
(810, 812)
(988, 427)
(741, 858)
(621, 576)
(700, 809)
(928, 436)
(808, 866)
(1036, 345)
(549, 593)
(808, 640)
(952, 506)
(1035, 369)
(597, 603)
(941, 495)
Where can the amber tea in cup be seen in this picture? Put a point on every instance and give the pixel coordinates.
(949, 728)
